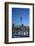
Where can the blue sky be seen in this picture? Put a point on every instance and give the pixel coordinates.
(16, 12)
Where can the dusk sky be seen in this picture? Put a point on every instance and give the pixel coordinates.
(16, 12)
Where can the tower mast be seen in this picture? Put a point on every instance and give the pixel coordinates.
(20, 18)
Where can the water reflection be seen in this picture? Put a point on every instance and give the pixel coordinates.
(20, 34)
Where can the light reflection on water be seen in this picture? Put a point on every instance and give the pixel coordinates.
(20, 34)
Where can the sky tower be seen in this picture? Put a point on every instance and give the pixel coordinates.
(20, 18)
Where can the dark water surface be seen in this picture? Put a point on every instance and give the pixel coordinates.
(18, 34)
